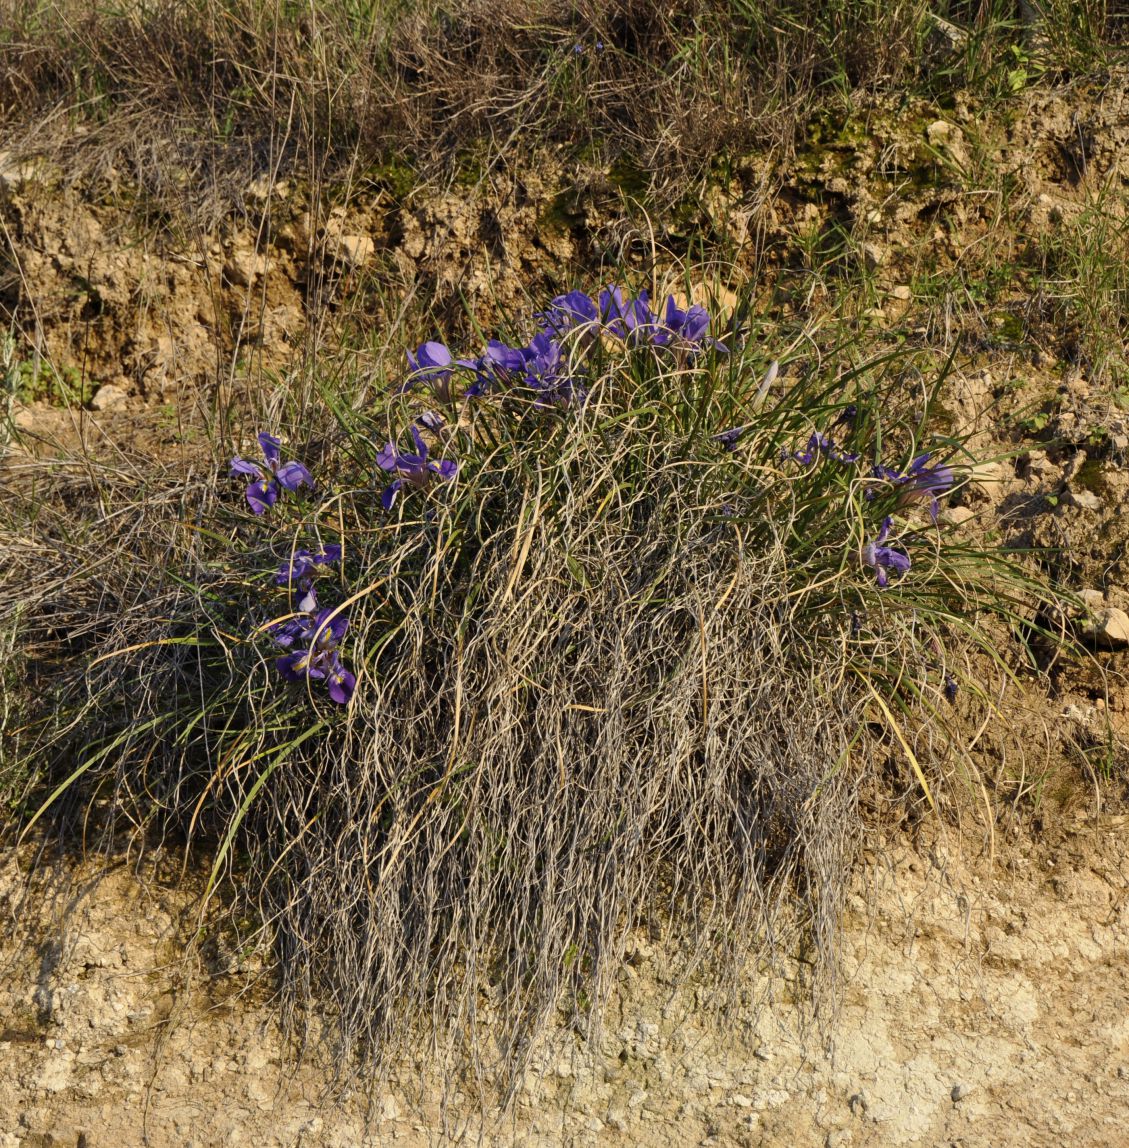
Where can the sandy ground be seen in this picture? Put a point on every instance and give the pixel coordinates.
(982, 1004)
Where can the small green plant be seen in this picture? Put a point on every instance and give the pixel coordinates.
(1085, 262)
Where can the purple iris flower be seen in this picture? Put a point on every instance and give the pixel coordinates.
(728, 438)
(627, 319)
(821, 444)
(431, 360)
(924, 482)
(883, 558)
(546, 373)
(296, 628)
(499, 365)
(271, 478)
(687, 326)
(919, 482)
(566, 312)
(319, 632)
(411, 469)
(302, 565)
(432, 363)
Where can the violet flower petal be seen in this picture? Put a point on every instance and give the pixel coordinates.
(293, 475)
(262, 495)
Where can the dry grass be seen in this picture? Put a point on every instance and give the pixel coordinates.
(191, 102)
(614, 679)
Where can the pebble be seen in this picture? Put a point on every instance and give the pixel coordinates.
(243, 267)
(1083, 499)
(1110, 628)
(901, 291)
(956, 515)
(107, 396)
(986, 475)
(355, 250)
(959, 1091)
(1095, 599)
(874, 255)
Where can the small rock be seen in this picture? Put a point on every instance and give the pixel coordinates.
(108, 396)
(1037, 461)
(959, 1091)
(389, 1109)
(1095, 599)
(902, 291)
(839, 1138)
(354, 250)
(739, 1100)
(874, 255)
(244, 267)
(1110, 628)
(1083, 500)
(15, 172)
(987, 475)
(956, 515)
(763, 1053)
(939, 132)
(262, 187)
(946, 137)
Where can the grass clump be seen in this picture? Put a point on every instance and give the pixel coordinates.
(596, 630)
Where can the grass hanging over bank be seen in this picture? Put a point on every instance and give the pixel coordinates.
(466, 677)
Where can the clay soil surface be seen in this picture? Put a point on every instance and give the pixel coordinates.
(982, 1004)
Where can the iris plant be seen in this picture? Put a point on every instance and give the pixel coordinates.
(923, 482)
(313, 636)
(821, 444)
(272, 477)
(883, 558)
(301, 568)
(411, 469)
(920, 482)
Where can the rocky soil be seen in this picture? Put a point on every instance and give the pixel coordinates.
(981, 1004)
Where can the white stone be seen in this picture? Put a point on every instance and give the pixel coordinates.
(244, 267)
(355, 250)
(874, 255)
(1110, 627)
(985, 476)
(1084, 499)
(956, 515)
(107, 396)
